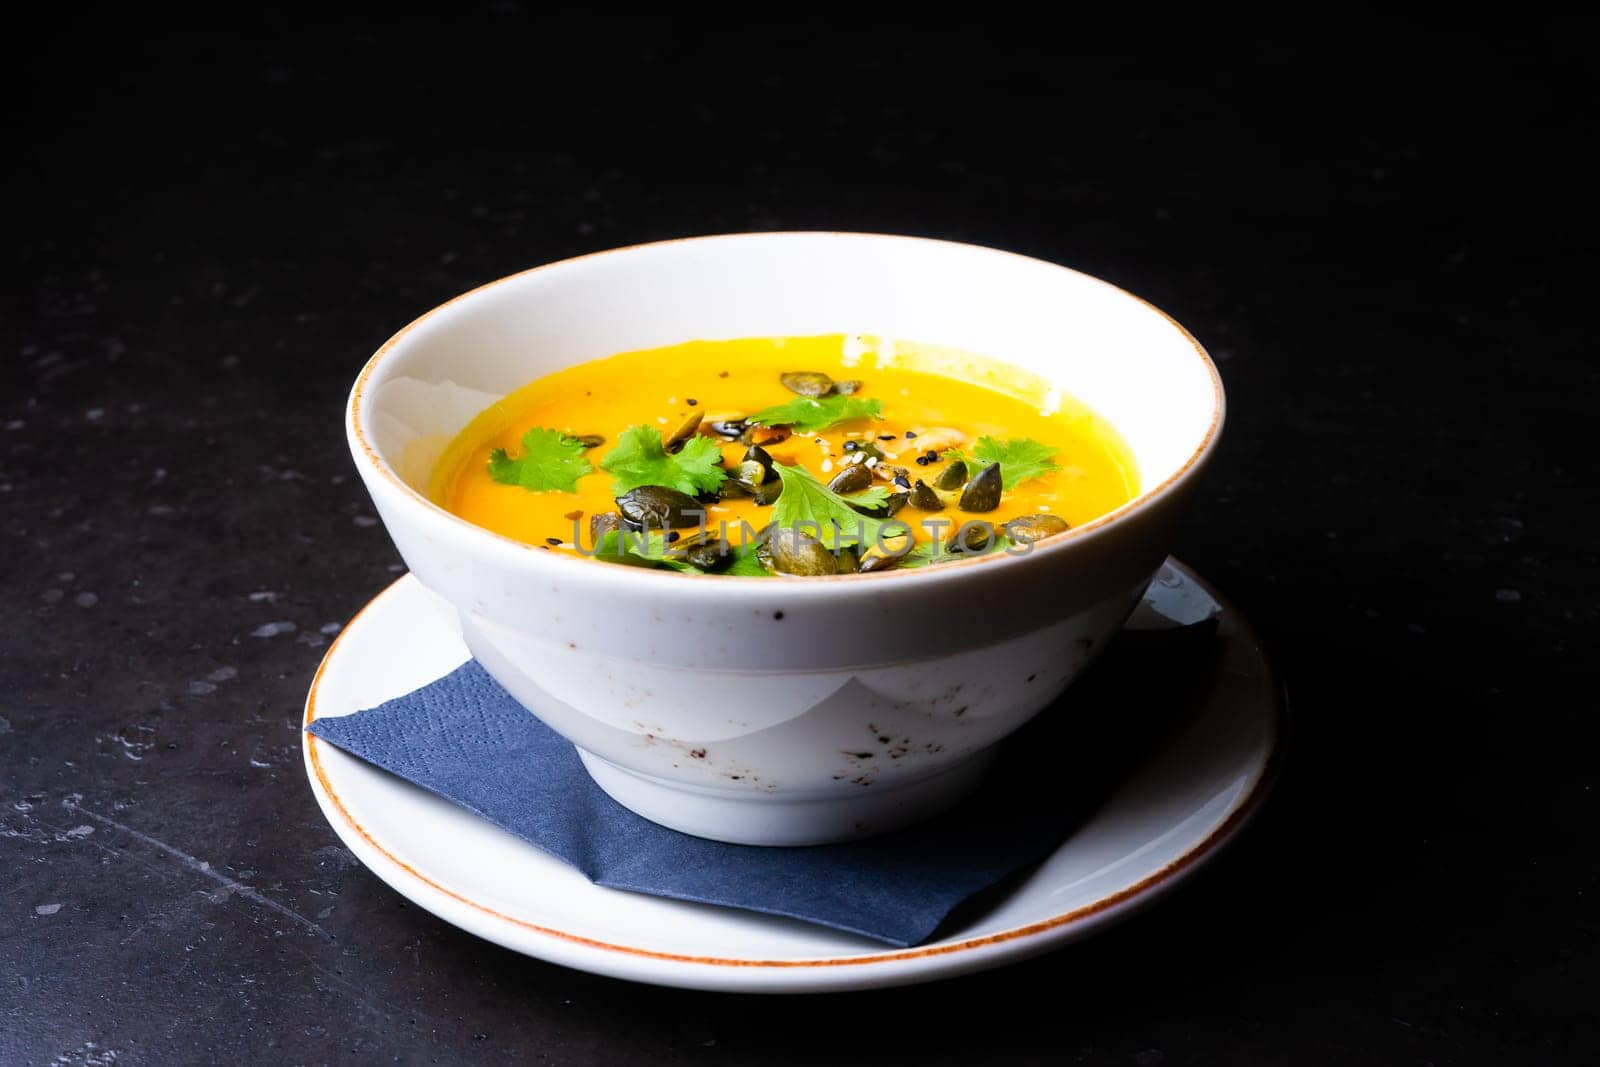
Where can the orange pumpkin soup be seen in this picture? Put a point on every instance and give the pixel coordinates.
(785, 456)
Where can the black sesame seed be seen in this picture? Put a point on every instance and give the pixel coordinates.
(922, 461)
(930, 456)
(902, 481)
(910, 434)
(673, 535)
(545, 547)
(693, 402)
(886, 437)
(552, 540)
(851, 446)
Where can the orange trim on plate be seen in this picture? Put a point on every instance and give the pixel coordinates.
(1242, 811)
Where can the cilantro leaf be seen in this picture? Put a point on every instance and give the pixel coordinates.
(746, 564)
(1020, 458)
(640, 459)
(808, 414)
(550, 460)
(646, 549)
(928, 553)
(651, 549)
(874, 496)
(807, 504)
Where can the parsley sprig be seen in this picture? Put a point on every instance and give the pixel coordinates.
(808, 505)
(810, 414)
(551, 461)
(1020, 458)
(641, 459)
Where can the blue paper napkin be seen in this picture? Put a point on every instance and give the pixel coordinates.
(466, 739)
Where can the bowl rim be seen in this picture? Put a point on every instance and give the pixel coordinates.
(362, 449)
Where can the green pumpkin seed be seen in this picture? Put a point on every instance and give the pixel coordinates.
(922, 496)
(806, 383)
(757, 454)
(602, 523)
(1031, 528)
(974, 536)
(983, 491)
(796, 552)
(852, 479)
(681, 435)
(658, 507)
(751, 474)
(954, 476)
(709, 552)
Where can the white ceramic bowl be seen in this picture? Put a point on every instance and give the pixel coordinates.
(752, 710)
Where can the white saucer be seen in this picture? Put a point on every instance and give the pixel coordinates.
(1184, 799)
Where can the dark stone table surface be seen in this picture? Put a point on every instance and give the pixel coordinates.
(1387, 244)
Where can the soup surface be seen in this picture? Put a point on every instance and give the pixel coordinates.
(678, 457)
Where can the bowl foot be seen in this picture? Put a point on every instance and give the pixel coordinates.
(773, 819)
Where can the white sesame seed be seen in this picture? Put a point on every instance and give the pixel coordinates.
(872, 461)
(1044, 507)
(661, 420)
(672, 400)
(827, 465)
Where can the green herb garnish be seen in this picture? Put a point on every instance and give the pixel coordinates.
(1020, 458)
(643, 549)
(652, 549)
(550, 460)
(746, 564)
(808, 505)
(640, 459)
(809, 414)
(926, 553)
(872, 497)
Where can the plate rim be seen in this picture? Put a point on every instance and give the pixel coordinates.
(875, 968)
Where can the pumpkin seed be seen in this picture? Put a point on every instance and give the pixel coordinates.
(922, 496)
(707, 551)
(659, 507)
(1031, 528)
(681, 435)
(796, 552)
(974, 536)
(806, 383)
(983, 491)
(954, 476)
(602, 523)
(751, 473)
(852, 479)
(758, 455)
